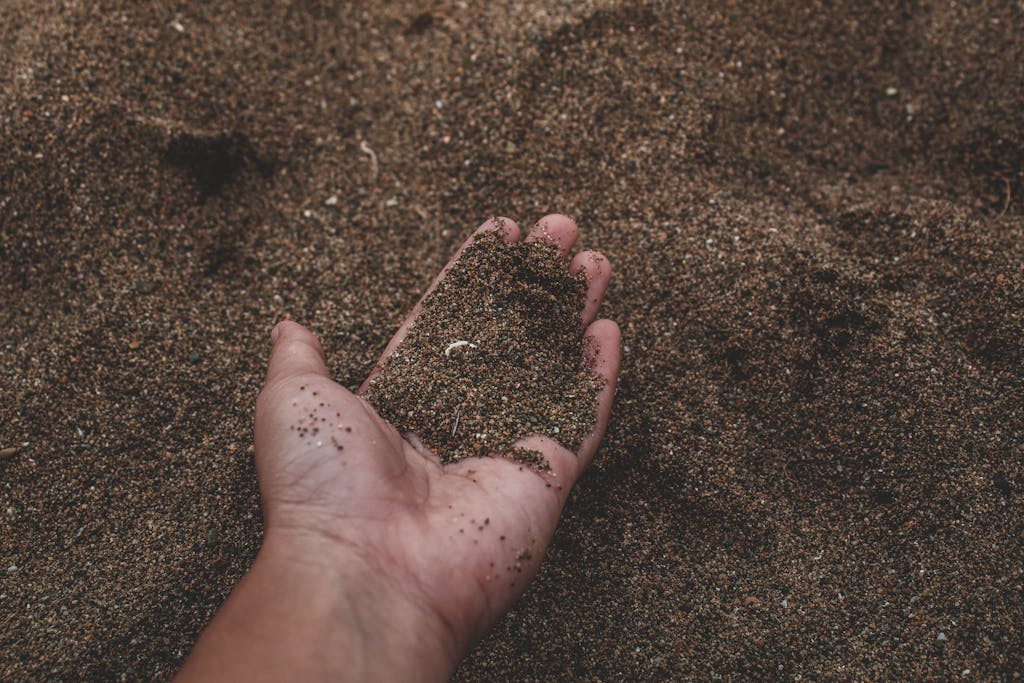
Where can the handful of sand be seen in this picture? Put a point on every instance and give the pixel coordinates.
(496, 354)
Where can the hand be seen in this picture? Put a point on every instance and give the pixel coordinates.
(415, 558)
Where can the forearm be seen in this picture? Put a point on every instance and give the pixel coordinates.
(325, 619)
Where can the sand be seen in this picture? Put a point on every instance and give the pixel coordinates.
(496, 354)
(815, 215)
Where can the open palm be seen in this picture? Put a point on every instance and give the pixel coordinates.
(461, 541)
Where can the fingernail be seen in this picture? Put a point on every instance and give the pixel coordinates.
(275, 333)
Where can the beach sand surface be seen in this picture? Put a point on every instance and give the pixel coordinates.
(815, 211)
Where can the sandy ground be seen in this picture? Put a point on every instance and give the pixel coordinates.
(816, 464)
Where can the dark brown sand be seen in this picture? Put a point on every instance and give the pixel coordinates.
(495, 354)
(816, 215)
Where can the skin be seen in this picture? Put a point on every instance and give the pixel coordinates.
(379, 563)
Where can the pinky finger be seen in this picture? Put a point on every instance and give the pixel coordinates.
(604, 351)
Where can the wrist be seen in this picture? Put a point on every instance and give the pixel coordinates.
(307, 610)
(367, 623)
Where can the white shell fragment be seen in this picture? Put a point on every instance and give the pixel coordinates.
(458, 344)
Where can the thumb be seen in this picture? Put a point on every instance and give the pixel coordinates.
(296, 352)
